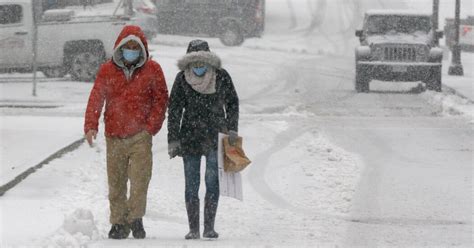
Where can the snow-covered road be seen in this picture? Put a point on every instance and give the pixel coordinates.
(330, 166)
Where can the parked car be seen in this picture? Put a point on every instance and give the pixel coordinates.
(466, 33)
(230, 20)
(398, 46)
(58, 4)
(66, 44)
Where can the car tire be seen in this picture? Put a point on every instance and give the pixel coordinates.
(362, 80)
(434, 80)
(54, 72)
(231, 34)
(84, 64)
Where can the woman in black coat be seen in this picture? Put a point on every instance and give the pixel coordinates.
(203, 102)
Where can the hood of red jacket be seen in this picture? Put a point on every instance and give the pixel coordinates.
(132, 30)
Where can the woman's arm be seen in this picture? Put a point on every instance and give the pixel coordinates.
(175, 109)
(231, 100)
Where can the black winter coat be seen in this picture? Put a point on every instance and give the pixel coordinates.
(195, 119)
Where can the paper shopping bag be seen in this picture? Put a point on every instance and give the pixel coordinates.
(235, 159)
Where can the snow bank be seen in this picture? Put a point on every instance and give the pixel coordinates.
(450, 103)
(78, 228)
(315, 174)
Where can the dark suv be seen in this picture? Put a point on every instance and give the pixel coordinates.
(230, 20)
(398, 46)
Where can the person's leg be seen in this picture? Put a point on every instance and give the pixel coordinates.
(141, 164)
(192, 175)
(117, 163)
(212, 195)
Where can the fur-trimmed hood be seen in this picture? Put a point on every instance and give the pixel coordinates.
(209, 58)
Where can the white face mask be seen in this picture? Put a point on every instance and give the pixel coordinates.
(130, 55)
(200, 71)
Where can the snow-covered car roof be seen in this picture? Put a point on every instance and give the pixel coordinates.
(15, 1)
(401, 12)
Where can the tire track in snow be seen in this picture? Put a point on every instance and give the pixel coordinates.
(257, 172)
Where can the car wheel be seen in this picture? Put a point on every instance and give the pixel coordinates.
(84, 65)
(231, 34)
(434, 79)
(362, 80)
(54, 72)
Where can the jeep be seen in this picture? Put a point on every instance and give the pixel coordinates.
(398, 46)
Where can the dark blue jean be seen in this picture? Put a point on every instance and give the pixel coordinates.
(192, 173)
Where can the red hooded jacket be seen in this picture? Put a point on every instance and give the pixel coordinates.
(132, 103)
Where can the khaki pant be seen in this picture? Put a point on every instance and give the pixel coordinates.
(128, 158)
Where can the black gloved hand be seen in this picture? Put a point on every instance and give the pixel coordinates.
(233, 135)
(174, 149)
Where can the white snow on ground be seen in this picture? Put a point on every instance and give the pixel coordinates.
(28, 140)
(463, 85)
(54, 96)
(325, 182)
(78, 228)
(451, 103)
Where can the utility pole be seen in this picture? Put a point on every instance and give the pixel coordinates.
(456, 68)
(129, 8)
(37, 9)
(435, 19)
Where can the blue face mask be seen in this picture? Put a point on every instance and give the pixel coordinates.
(200, 71)
(130, 55)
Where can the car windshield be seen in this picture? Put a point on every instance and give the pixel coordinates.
(398, 24)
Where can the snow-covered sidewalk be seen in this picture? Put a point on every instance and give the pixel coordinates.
(33, 128)
(28, 140)
(463, 85)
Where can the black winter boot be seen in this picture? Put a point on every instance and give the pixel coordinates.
(119, 231)
(210, 209)
(193, 218)
(137, 229)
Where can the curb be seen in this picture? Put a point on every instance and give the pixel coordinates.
(4, 188)
(457, 93)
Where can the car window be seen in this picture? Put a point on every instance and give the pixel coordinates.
(10, 14)
(170, 2)
(399, 24)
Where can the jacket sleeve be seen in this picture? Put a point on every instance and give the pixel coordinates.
(159, 92)
(175, 110)
(231, 103)
(96, 102)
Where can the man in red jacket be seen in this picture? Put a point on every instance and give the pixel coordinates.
(134, 90)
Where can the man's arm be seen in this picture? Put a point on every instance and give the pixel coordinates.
(159, 102)
(95, 105)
